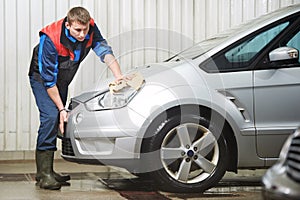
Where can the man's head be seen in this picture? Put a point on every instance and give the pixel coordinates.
(78, 21)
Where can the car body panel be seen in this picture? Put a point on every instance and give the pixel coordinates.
(273, 88)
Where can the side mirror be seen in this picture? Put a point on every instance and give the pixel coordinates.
(285, 54)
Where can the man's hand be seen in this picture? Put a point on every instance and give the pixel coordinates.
(63, 117)
(134, 80)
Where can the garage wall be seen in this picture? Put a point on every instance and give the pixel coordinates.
(140, 31)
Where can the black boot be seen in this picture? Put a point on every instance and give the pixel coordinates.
(44, 163)
(58, 177)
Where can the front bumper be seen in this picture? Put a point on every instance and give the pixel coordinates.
(102, 137)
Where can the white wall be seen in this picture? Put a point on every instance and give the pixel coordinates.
(140, 31)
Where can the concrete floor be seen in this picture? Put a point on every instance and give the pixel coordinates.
(101, 182)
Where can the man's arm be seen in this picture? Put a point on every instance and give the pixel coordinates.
(54, 95)
(105, 53)
(114, 66)
(63, 116)
(48, 65)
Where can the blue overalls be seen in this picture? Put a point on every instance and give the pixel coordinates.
(55, 61)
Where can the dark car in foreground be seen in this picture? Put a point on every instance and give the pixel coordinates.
(228, 102)
(282, 181)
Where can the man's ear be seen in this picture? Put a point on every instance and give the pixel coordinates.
(67, 25)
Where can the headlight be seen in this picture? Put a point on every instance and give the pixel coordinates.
(110, 100)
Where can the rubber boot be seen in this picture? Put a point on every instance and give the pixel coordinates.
(44, 163)
(58, 177)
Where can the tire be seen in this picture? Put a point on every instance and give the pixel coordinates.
(188, 154)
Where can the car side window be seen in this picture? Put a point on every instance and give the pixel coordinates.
(245, 51)
(239, 56)
(295, 42)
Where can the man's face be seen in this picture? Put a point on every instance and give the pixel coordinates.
(78, 30)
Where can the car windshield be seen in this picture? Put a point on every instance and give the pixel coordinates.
(206, 45)
(198, 49)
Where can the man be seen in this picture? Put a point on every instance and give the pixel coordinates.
(63, 46)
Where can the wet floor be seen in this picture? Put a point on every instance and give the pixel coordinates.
(101, 182)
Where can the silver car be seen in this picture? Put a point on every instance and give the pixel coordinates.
(226, 103)
(282, 181)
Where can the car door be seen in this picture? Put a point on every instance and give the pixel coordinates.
(267, 95)
(277, 96)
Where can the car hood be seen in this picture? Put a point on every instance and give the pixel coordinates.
(148, 72)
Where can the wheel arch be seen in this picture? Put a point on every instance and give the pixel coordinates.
(204, 112)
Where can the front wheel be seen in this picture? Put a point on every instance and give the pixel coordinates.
(191, 153)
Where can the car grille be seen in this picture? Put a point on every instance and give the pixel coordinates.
(293, 160)
(67, 147)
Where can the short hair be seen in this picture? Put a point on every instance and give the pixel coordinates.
(78, 14)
